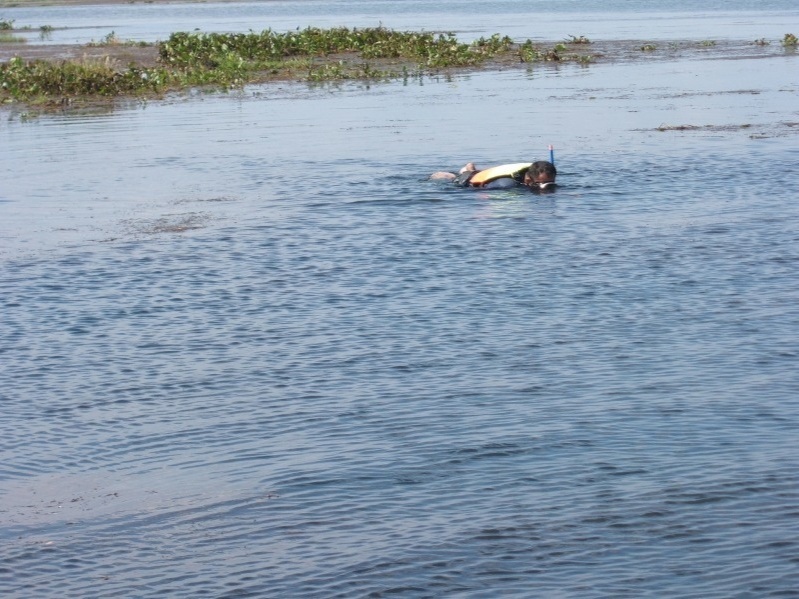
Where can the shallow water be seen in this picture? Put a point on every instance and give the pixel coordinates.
(520, 19)
(248, 350)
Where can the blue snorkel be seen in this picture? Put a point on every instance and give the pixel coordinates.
(551, 154)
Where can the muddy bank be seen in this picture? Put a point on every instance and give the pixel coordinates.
(603, 51)
(123, 54)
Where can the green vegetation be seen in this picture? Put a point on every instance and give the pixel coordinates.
(42, 81)
(573, 39)
(7, 38)
(209, 50)
(113, 40)
(7, 26)
(529, 52)
(223, 61)
(109, 40)
(227, 60)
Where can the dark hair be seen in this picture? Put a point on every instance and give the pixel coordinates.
(542, 167)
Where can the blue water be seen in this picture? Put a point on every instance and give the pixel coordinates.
(248, 350)
(520, 19)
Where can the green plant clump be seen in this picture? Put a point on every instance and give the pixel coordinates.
(573, 39)
(529, 52)
(112, 39)
(7, 38)
(226, 60)
(210, 50)
(790, 40)
(24, 80)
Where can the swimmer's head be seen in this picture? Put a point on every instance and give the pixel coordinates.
(541, 175)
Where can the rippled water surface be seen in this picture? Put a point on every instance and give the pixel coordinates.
(536, 19)
(247, 349)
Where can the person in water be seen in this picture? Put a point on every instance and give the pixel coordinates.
(538, 176)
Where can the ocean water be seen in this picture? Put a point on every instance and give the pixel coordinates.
(247, 349)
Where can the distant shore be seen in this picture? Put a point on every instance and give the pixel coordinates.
(55, 73)
(602, 51)
(37, 3)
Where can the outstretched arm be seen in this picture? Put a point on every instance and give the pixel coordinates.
(446, 176)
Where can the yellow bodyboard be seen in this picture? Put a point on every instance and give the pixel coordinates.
(497, 172)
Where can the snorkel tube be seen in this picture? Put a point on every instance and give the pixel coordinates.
(543, 170)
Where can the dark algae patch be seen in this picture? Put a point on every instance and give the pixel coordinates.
(63, 75)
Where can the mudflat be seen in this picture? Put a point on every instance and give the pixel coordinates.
(124, 52)
(629, 50)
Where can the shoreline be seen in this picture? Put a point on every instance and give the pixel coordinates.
(603, 51)
(55, 74)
